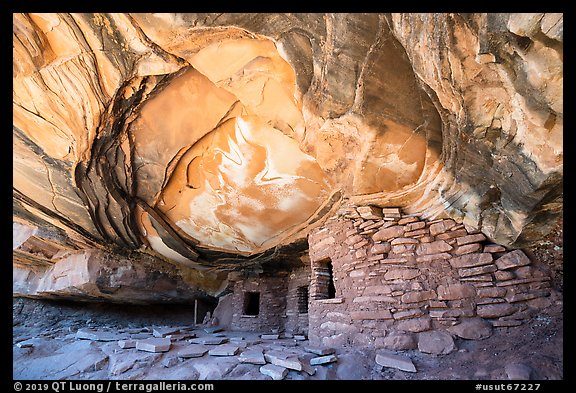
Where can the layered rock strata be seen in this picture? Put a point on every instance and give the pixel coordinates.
(213, 141)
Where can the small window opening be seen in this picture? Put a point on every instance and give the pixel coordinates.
(251, 303)
(331, 287)
(302, 293)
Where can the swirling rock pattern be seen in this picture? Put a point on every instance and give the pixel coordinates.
(218, 141)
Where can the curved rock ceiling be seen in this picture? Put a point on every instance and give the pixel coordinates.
(204, 137)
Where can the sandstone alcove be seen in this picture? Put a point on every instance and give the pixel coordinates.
(368, 181)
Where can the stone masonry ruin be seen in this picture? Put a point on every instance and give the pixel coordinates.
(397, 276)
(287, 195)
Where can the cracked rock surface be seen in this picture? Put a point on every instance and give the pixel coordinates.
(200, 143)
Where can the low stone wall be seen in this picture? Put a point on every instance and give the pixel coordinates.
(279, 303)
(398, 278)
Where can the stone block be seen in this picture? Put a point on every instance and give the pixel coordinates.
(407, 220)
(518, 371)
(357, 273)
(154, 345)
(505, 323)
(369, 212)
(495, 310)
(504, 275)
(273, 371)
(475, 271)
(388, 233)
(403, 240)
(371, 315)
(127, 344)
(375, 299)
(437, 342)
(170, 361)
(471, 260)
(512, 259)
(389, 211)
(455, 291)
(269, 336)
(283, 359)
(441, 227)
(405, 314)
(403, 248)
(433, 257)
(323, 360)
(252, 356)
(468, 249)
(397, 341)
(399, 362)
(415, 225)
(493, 248)
(478, 237)
(402, 274)
(320, 351)
(224, 350)
(420, 296)
(380, 248)
(192, 351)
(415, 325)
(472, 329)
(417, 233)
(452, 234)
(435, 247)
(95, 335)
(164, 331)
(209, 340)
(522, 297)
(354, 239)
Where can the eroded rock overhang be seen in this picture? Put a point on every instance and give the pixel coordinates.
(213, 141)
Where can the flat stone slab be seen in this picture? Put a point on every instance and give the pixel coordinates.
(224, 350)
(192, 351)
(308, 369)
(273, 371)
(209, 340)
(26, 343)
(320, 351)
(127, 344)
(395, 361)
(436, 342)
(140, 336)
(252, 357)
(169, 362)
(299, 337)
(213, 329)
(270, 336)
(323, 360)
(95, 335)
(181, 336)
(164, 331)
(283, 360)
(154, 345)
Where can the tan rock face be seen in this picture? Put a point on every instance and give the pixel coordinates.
(207, 140)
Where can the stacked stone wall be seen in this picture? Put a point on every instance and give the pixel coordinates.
(398, 277)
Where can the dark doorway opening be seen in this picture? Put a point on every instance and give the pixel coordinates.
(251, 303)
